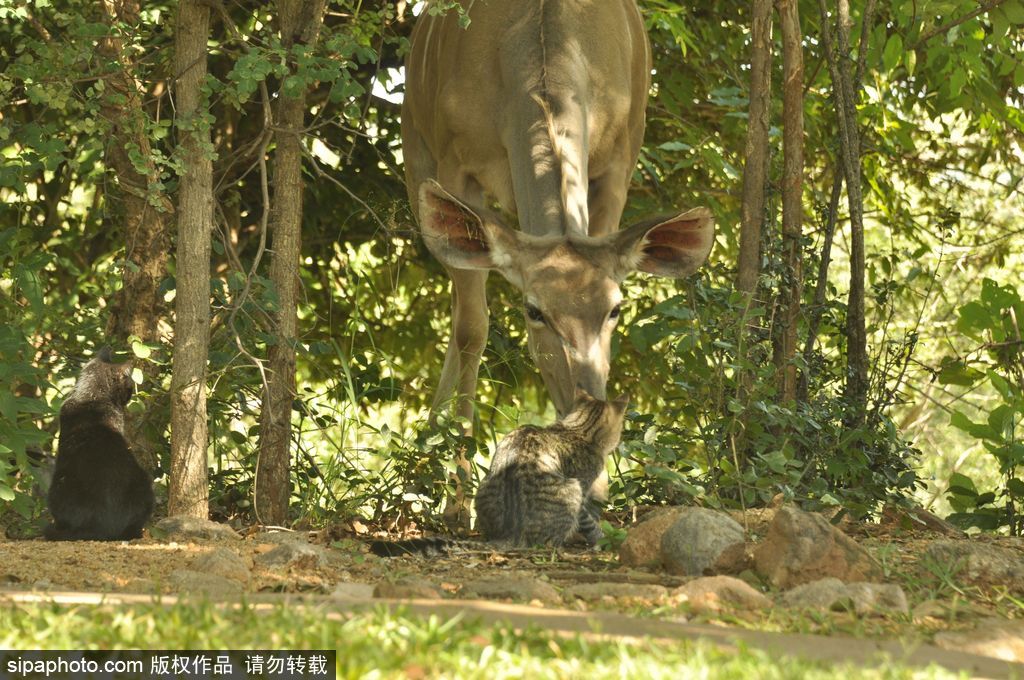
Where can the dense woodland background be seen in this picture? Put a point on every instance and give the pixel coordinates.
(746, 381)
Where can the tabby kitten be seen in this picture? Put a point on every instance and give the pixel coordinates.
(539, 490)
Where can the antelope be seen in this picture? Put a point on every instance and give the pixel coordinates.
(536, 111)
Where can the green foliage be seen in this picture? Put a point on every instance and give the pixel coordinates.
(998, 363)
(724, 443)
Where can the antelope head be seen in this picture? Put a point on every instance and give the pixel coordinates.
(570, 283)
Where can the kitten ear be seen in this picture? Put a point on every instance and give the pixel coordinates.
(621, 402)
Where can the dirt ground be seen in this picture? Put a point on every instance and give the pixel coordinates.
(940, 601)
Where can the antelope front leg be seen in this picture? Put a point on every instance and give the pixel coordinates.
(461, 368)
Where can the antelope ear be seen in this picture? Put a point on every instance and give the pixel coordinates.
(673, 248)
(458, 237)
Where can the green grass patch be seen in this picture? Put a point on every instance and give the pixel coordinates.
(382, 644)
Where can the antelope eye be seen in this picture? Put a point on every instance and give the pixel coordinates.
(614, 314)
(534, 314)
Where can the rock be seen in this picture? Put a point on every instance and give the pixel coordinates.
(997, 638)
(510, 588)
(596, 592)
(642, 546)
(979, 563)
(295, 554)
(697, 540)
(802, 547)
(407, 589)
(181, 528)
(714, 593)
(223, 562)
(352, 591)
(831, 593)
(187, 582)
(278, 537)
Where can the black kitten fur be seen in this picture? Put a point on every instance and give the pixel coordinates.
(99, 491)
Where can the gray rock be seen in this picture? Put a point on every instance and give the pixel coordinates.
(715, 593)
(979, 563)
(642, 546)
(802, 547)
(510, 588)
(698, 539)
(223, 562)
(293, 554)
(596, 592)
(189, 582)
(409, 588)
(278, 537)
(831, 593)
(181, 528)
(352, 591)
(997, 638)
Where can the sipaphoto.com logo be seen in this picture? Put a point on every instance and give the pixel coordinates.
(69, 665)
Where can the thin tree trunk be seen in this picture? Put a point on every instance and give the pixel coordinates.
(849, 145)
(755, 170)
(189, 492)
(792, 195)
(817, 307)
(300, 25)
(832, 216)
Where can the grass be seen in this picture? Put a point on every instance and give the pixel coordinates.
(387, 645)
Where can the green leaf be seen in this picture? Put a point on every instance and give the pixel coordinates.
(1014, 11)
(962, 485)
(140, 350)
(910, 61)
(893, 52)
(1015, 487)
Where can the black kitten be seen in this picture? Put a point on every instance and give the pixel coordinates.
(99, 491)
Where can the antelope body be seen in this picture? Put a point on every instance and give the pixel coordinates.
(536, 110)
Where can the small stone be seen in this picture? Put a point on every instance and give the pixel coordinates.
(715, 593)
(802, 547)
(629, 592)
(979, 563)
(997, 638)
(510, 588)
(830, 593)
(187, 581)
(697, 540)
(183, 528)
(407, 589)
(642, 546)
(293, 554)
(352, 591)
(223, 562)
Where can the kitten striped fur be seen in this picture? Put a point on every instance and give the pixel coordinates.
(539, 490)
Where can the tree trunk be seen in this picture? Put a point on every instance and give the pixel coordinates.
(300, 25)
(189, 491)
(849, 144)
(792, 194)
(832, 216)
(141, 207)
(755, 169)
